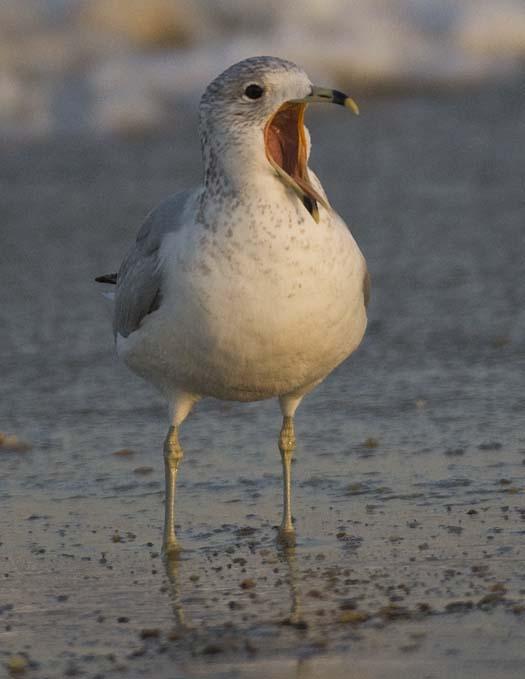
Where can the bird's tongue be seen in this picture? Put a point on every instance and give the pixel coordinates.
(285, 143)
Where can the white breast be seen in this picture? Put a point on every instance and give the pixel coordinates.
(268, 303)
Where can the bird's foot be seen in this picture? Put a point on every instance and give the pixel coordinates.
(171, 547)
(286, 536)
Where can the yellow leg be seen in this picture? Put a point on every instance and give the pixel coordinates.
(286, 446)
(172, 456)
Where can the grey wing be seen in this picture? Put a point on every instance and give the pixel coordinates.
(138, 291)
(139, 280)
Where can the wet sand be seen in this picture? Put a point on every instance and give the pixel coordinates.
(409, 472)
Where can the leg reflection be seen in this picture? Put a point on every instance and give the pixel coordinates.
(172, 563)
(288, 557)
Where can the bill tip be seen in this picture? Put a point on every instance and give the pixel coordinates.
(351, 104)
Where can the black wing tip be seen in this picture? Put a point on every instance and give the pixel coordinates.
(367, 286)
(110, 278)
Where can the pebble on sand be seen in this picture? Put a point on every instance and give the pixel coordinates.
(12, 443)
(17, 664)
(354, 617)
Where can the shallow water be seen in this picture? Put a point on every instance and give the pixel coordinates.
(409, 472)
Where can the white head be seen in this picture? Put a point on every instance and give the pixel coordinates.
(251, 119)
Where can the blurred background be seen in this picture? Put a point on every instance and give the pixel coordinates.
(121, 65)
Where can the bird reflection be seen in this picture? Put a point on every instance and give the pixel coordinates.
(172, 563)
(288, 558)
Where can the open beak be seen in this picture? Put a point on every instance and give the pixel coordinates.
(286, 146)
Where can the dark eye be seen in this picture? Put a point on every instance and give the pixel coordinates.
(254, 91)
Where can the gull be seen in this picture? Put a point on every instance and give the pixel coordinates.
(250, 286)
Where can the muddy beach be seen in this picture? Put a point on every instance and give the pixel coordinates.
(410, 467)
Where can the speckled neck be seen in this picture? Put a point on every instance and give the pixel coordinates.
(236, 170)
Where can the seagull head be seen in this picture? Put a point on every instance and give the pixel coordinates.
(252, 119)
